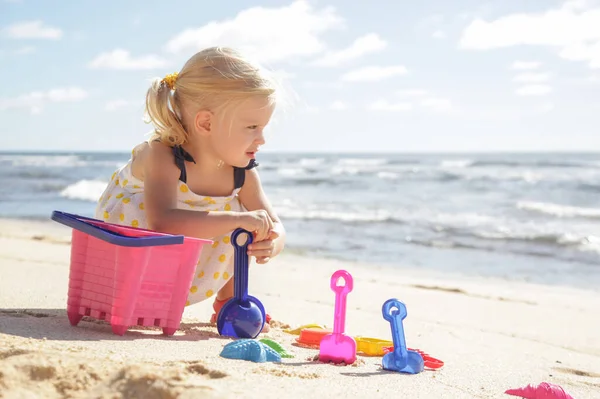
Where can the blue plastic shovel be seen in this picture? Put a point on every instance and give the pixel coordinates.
(401, 359)
(243, 316)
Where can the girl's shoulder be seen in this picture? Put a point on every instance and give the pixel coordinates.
(152, 155)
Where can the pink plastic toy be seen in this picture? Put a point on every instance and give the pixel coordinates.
(128, 276)
(338, 347)
(544, 390)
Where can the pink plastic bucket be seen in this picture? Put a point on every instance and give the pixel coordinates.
(128, 276)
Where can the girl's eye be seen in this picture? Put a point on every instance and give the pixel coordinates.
(252, 127)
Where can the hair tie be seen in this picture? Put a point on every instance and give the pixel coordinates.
(170, 80)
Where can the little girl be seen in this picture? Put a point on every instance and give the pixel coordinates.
(197, 174)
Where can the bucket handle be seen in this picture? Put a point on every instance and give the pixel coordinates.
(79, 223)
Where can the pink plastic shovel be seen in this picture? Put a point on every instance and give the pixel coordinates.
(338, 347)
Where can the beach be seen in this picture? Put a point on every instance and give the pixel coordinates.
(492, 334)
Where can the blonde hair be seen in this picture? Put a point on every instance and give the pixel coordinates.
(211, 79)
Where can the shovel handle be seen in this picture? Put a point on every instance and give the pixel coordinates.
(341, 292)
(394, 311)
(240, 276)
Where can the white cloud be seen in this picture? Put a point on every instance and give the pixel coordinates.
(384, 105)
(25, 50)
(122, 59)
(583, 52)
(534, 90)
(115, 105)
(338, 105)
(439, 34)
(573, 29)
(36, 100)
(525, 65)
(545, 108)
(367, 44)
(373, 73)
(269, 34)
(436, 103)
(532, 77)
(32, 30)
(412, 92)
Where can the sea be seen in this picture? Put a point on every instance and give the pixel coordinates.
(527, 217)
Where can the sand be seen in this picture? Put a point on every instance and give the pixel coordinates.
(492, 334)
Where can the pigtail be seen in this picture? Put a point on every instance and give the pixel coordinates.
(162, 112)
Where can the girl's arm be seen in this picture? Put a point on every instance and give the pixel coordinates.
(253, 198)
(161, 176)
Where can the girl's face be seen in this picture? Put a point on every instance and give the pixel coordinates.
(237, 136)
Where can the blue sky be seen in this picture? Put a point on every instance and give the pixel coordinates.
(393, 76)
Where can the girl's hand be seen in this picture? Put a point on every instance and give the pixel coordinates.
(263, 250)
(258, 222)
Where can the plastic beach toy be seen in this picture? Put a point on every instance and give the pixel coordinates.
(401, 359)
(544, 390)
(250, 349)
(128, 276)
(428, 361)
(372, 346)
(243, 316)
(276, 346)
(311, 337)
(339, 347)
(298, 330)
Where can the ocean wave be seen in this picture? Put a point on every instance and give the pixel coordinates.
(54, 161)
(84, 190)
(557, 210)
(358, 162)
(456, 163)
(447, 171)
(470, 226)
(582, 245)
(595, 164)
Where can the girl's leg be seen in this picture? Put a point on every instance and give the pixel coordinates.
(226, 291)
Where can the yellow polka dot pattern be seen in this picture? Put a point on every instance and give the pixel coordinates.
(123, 203)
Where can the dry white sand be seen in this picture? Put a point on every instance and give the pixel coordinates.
(491, 334)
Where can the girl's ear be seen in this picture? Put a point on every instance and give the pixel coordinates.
(202, 122)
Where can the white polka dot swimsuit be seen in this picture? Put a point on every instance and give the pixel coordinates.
(123, 203)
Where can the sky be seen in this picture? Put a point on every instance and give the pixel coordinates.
(378, 76)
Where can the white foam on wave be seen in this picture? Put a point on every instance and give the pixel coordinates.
(44, 160)
(84, 190)
(387, 175)
(456, 163)
(476, 225)
(563, 211)
(291, 171)
(362, 161)
(311, 161)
